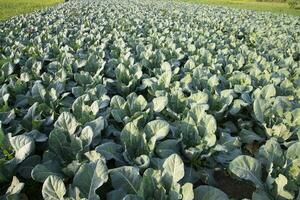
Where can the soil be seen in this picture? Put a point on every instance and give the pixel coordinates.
(233, 188)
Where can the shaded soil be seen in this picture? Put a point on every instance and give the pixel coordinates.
(233, 188)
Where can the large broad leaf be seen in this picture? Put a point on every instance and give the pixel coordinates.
(190, 175)
(248, 136)
(160, 103)
(86, 136)
(173, 169)
(27, 165)
(167, 147)
(41, 171)
(94, 156)
(23, 146)
(132, 197)
(136, 103)
(197, 126)
(198, 98)
(65, 146)
(53, 188)
(117, 105)
(5, 174)
(97, 125)
(259, 107)
(126, 178)
(116, 194)
(90, 177)
(157, 128)
(260, 195)
(271, 152)
(67, 122)
(14, 189)
(248, 168)
(268, 91)
(205, 192)
(296, 116)
(150, 187)
(281, 181)
(38, 91)
(187, 192)
(134, 140)
(293, 152)
(82, 110)
(293, 161)
(2, 137)
(111, 150)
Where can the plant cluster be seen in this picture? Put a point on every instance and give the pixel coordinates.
(148, 100)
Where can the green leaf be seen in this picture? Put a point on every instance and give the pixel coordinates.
(268, 91)
(66, 147)
(117, 102)
(118, 108)
(158, 129)
(67, 122)
(173, 169)
(296, 116)
(2, 136)
(248, 136)
(248, 168)
(293, 152)
(116, 194)
(97, 125)
(259, 106)
(271, 152)
(41, 171)
(134, 140)
(159, 103)
(90, 177)
(281, 181)
(53, 188)
(136, 103)
(38, 91)
(94, 156)
(205, 192)
(82, 110)
(260, 195)
(111, 150)
(165, 79)
(167, 147)
(198, 98)
(14, 189)
(187, 192)
(126, 178)
(23, 146)
(27, 165)
(132, 197)
(150, 187)
(86, 136)
(5, 175)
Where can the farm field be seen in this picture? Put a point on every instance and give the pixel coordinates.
(138, 100)
(9, 8)
(274, 7)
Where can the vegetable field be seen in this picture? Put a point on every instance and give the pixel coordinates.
(274, 6)
(144, 100)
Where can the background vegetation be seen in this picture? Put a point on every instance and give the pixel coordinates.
(276, 6)
(9, 8)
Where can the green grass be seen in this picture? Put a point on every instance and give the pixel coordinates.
(9, 8)
(275, 7)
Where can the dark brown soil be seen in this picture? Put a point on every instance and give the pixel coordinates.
(233, 188)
